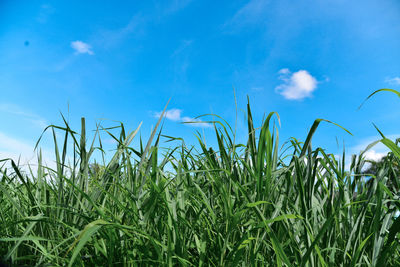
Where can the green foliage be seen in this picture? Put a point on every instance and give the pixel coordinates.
(252, 204)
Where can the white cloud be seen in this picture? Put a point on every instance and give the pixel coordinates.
(373, 155)
(81, 47)
(378, 148)
(171, 114)
(176, 115)
(393, 81)
(284, 71)
(297, 85)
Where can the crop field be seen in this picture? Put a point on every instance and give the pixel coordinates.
(260, 203)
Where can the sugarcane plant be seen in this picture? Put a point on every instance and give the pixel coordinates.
(257, 203)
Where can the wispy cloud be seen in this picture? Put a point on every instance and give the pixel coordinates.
(176, 115)
(61, 65)
(82, 48)
(250, 13)
(184, 44)
(257, 88)
(393, 81)
(176, 5)
(136, 26)
(297, 85)
(14, 147)
(108, 38)
(22, 152)
(33, 118)
(45, 12)
(180, 61)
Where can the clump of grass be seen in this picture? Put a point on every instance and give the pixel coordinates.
(252, 204)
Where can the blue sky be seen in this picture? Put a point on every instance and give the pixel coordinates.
(123, 61)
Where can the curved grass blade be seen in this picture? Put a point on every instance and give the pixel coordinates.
(380, 90)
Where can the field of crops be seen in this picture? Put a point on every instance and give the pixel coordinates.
(261, 203)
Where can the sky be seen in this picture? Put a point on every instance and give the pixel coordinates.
(111, 61)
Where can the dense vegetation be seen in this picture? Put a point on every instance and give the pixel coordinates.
(252, 204)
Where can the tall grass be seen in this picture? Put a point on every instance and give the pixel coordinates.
(252, 204)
